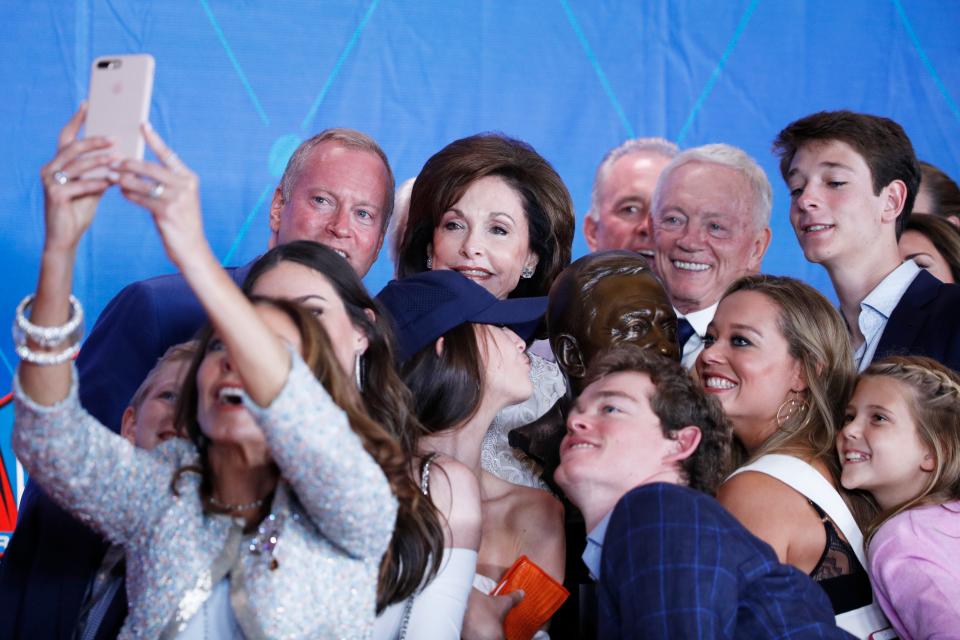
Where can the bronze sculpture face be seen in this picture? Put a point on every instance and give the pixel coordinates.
(608, 298)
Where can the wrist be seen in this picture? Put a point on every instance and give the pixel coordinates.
(196, 259)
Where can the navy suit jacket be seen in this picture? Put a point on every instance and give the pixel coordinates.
(676, 564)
(52, 557)
(926, 322)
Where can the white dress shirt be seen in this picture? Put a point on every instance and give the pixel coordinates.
(877, 307)
(699, 320)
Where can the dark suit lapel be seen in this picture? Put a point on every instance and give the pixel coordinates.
(906, 321)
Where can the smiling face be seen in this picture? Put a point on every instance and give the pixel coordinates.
(338, 199)
(151, 423)
(917, 247)
(485, 237)
(879, 447)
(706, 234)
(623, 205)
(220, 411)
(505, 363)
(833, 208)
(312, 290)
(746, 364)
(614, 440)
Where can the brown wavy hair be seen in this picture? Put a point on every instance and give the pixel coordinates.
(449, 173)
(678, 401)
(411, 556)
(934, 401)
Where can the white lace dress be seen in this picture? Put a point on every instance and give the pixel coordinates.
(496, 454)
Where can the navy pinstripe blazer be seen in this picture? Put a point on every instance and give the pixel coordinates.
(677, 565)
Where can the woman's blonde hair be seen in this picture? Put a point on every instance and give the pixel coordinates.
(934, 403)
(817, 338)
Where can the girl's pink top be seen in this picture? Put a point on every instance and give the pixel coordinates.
(915, 570)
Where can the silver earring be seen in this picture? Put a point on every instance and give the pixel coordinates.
(429, 263)
(358, 370)
(527, 272)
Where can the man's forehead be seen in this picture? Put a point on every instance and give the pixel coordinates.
(831, 153)
(629, 166)
(632, 385)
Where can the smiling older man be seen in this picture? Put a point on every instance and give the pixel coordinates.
(711, 225)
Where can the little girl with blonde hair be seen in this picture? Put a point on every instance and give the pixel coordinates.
(901, 444)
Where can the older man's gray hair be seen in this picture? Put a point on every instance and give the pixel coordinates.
(657, 146)
(727, 156)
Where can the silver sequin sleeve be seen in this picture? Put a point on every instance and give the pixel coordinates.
(88, 469)
(339, 484)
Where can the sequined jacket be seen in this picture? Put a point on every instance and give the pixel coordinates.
(332, 516)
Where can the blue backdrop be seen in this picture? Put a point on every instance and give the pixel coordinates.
(239, 84)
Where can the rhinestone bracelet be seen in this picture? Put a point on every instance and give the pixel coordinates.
(46, 336)
(44, 359)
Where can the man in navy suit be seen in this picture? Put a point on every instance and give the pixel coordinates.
(853, 179)
(337, 190)
(644, 448)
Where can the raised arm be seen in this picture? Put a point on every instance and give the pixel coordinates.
(84, 466)
(170, 192)
(70, 201)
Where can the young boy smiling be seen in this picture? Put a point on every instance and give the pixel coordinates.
(853, 179)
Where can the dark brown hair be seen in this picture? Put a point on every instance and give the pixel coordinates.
(678, 401)
(378, 442)
(944, 236)
(447, 175)
(446, 387)
(881, 142)
(417, 545)
(944, 192)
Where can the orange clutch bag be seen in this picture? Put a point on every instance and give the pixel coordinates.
(542, 597)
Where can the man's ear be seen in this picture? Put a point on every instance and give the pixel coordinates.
(590, 232)
(895, 197)
(128, 425)
(759, 248)
(438, 347)
(276, 206)
(685, 442)
(569, 355)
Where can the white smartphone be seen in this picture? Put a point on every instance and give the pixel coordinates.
(118, 102)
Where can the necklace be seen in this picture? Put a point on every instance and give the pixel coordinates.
(235, 508)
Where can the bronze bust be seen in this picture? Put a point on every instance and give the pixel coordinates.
(602, 299)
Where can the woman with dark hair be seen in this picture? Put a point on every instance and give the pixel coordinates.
(934, 244)
(462, 355)
(271, 521)
(430, 551)
(778, 358)
(939, 195)
(493, 209)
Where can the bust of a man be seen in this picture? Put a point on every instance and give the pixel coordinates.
(602, 299)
